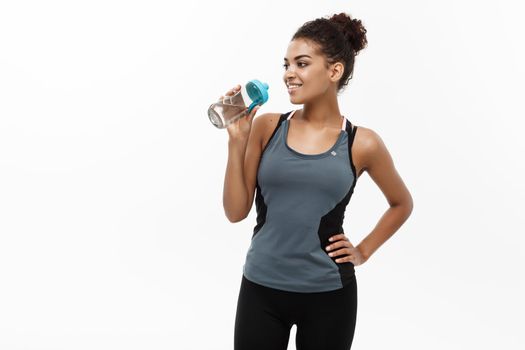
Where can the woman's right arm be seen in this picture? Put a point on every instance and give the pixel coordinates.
(244, 153)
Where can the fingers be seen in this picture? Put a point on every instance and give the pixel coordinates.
(346, 248)
(345, 259)
(342, 242)
(343, 255)
(252, 112)
(343, 251)
(337, 237)
(232, 91)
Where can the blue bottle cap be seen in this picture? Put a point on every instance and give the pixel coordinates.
(258, 92)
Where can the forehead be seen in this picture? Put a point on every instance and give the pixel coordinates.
(299, 47)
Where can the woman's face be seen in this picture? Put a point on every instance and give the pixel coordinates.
(303, 65)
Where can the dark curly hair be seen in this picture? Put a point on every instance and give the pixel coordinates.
(340, 38)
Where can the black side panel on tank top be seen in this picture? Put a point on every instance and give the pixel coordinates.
(260, 206)
(332, 221)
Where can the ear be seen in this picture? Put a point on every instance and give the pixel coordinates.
(336, 71)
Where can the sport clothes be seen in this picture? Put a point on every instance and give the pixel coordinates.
(325, 320)
(300, 202)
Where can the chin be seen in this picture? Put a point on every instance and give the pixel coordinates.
(296, 101)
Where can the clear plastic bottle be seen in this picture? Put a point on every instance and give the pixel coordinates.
(230, 108)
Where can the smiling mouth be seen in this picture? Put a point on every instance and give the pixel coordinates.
(293, 87)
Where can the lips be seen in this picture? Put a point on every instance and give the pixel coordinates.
(293, 87)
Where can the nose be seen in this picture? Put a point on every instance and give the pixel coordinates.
(289, 74)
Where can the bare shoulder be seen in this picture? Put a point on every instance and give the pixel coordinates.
(367, 146)
(366, 138)
(379, 164)
(266, 124)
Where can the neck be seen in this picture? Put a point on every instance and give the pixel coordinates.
(321, 113)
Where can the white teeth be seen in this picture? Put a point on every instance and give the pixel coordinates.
(293, 86)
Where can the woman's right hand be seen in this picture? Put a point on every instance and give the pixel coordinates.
(239, 130)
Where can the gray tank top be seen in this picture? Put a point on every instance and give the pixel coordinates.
(300, 202)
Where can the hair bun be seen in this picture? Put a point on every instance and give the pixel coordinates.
(353, 30)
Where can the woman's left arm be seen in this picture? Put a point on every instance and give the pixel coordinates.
(373, 157)
(380, 166)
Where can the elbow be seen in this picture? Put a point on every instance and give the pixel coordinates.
(234, 218)
(409, 206)
(235, 214)
(406, 206)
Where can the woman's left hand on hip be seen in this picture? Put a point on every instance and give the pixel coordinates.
(341, 245)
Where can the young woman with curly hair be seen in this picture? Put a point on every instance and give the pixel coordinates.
(302, 171)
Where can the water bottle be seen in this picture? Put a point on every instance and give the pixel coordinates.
(230, 108)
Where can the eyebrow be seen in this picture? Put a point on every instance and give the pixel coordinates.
(297, 57)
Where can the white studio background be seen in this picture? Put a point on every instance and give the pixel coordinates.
(112, 230)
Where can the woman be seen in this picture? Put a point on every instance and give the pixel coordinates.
(300, 266)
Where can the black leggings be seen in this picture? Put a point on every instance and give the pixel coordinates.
(324, 320)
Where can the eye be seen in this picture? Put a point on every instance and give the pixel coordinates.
(301, 64)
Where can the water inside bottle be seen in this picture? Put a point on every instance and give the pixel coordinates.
(224, 112)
